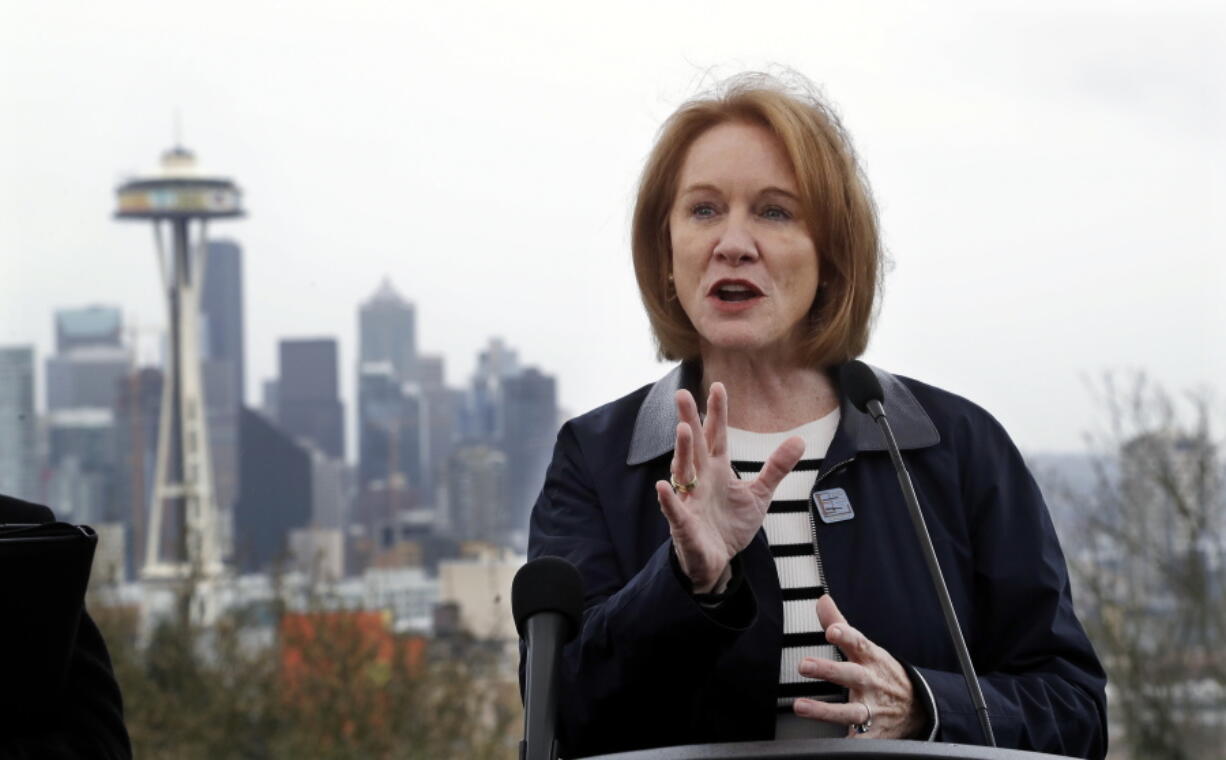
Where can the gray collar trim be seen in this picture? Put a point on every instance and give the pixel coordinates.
(656, 425)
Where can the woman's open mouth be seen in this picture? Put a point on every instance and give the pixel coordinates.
(734, 291)
(733, 295)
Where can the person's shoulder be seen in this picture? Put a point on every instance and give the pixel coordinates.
(14, 510)
(951, 413)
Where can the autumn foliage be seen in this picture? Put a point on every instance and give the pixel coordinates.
(323, 684)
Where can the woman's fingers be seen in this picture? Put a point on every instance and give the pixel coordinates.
(848, 674)
(828, 613)
(847, 713)
(687, 412)
(778, 464)
(715, 428)
(670, 504)
(855, 645)
(683, 468)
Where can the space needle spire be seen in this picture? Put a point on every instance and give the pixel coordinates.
(183, 540)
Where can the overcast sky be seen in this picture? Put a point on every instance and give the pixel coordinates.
(1050, 176)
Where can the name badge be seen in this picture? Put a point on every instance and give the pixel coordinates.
(833, 505)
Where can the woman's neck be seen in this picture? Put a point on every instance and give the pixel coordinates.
(768, 395)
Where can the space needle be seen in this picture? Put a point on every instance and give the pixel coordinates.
(182, 541)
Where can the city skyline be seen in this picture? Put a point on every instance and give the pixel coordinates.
(1045, 177)
(282, 479)
(127, 353)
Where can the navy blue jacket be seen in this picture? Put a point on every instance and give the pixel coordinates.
(650, 667)
(89, 723)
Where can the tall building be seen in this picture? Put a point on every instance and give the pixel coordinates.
(387, 332)
(90, 359)
(309, 404)
(18, 424)
(394, 410)
(392, 428)
(222, 405)
(81, 456)
(84, 378)
(270, 399)
(530, 427)
(330, 486)
(477, 493)
(482, 418)
(444, 407)
(274, 494)
(137, 410)
(221, 312)
(223, 363)
(431, 371)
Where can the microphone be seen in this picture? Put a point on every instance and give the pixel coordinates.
(864, 391)
(546, 601)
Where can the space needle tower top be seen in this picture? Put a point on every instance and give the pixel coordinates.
(179, 191)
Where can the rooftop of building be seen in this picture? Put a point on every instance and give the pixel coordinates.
(386, 295)
(89, 321)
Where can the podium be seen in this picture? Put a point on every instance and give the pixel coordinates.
(825, 749)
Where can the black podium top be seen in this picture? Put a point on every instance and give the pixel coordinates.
(826, 749)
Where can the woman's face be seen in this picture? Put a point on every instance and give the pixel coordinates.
(744, 265)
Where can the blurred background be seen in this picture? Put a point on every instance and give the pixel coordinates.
(433, 271)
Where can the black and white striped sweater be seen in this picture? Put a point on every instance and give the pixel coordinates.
(792, 537)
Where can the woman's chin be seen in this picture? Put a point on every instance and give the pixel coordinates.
(740, 342)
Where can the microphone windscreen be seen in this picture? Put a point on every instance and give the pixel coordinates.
(860, 384)
(547, 584)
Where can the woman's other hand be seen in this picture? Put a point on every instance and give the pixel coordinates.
(875, 680)
(718, 515)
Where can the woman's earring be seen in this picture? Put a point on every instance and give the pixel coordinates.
(672, 288)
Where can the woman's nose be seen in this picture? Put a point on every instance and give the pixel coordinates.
(736, 245)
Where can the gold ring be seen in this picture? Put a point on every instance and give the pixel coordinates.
(682, 487)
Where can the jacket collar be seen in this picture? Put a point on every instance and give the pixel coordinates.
(656, 425)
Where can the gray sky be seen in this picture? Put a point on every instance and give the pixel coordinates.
(1050, 176)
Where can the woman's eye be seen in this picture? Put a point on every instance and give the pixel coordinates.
(776, 213)
(702, 210)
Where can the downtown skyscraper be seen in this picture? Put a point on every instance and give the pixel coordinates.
(83, 379)
(530, 427)
(387, 332)
(309, 404)
(392, 413)
(18, 425)
(222, 361)
(222, 317)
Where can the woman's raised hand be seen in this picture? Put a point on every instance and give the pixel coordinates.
(713, 515)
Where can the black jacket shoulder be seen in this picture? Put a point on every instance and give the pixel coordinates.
(17, 511)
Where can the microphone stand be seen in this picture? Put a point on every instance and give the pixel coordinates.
(547, 603)
(541, 686)
(877, 411)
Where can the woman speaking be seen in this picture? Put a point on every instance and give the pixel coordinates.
(749, 567)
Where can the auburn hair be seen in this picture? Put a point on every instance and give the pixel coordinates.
(836, 205)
